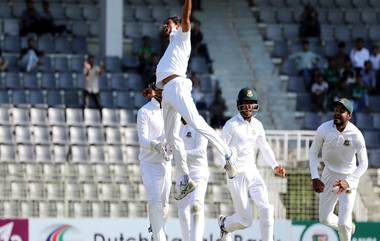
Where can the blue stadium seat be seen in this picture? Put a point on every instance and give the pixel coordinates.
(268, 15)
(4, 97)
(123, 100)
(374, 158)
(352, 16)
(288, 68)
(62, 45)
(46, 43)
(274, 32)
(30, 81)
(374, 33)
(13, 81)
(130, 62)
(48, 81)
(73, 12)
(79, 45)
(113, 64)
(11, 27)
(91, 12)
(291, 32)
(46, 65)
(374, 103)
(342, 33)
(73, 99)
(66, 81)
(5, 10)
(128, 15)
(54, 98)
(139, 100)
(57, 11)
(80, 29)
(94, 29)
(143, 14)
(376, 120)
(132, 30)
(19, 98)
(344, 4)
(284, 15)
(372, 139)
(327, 33)
(118, 82)
(106, 100)
(135, 82)
(11, 44)
(330, 48)
(151, 30)
(369, 16)
(36, 98)
(61, 64)
(364, 121)
(77, 62)
(159, 13)
(296, 84)
(12, 62)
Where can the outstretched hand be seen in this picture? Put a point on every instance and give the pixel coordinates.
(342, 186)
(280, 171)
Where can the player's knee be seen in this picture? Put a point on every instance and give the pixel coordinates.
(197, 207)
(246, 221)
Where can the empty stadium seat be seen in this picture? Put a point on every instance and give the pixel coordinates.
(97, 153)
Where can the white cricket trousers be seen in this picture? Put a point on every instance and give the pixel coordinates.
(244, 186)
(328, 200)
(157, 182)
(177, 102)
(191, 209)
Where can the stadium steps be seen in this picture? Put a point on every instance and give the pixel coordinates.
(244, 61)
(370, 192)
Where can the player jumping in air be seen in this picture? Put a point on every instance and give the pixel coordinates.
(342, 146)
(177, 100)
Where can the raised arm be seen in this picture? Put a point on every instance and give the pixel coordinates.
(186, 13)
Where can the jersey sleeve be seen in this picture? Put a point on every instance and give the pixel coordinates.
(362, 157)
(314, 151)
(143, 129)
(184, 35)
(265, 149)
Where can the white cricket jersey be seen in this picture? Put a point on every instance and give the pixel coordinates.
(176, 56)
(247, 138)
(196, 149)
(339, 150)
(150, 129)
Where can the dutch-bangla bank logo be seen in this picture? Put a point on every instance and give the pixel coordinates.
(319, 232)
(62, 233)
(13, 230)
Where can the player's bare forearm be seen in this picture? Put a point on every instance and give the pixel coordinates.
(186, 14)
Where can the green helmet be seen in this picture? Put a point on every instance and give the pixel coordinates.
(247, 94)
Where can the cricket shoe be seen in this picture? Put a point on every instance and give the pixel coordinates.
(184, 188)
(224, 235)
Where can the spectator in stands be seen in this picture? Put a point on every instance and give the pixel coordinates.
(332, 74)
(309, 22)
(360, 94)
(319, 90)
(341, 56)
(30, 56)
(368, 76)
(145, 57)
(3, 62)
(30, 20)
(218, 109)
(196, 92)
(47, 21)
(375, 57)
(92, 74)
(305, 61)
(197, 44)
(359, 54)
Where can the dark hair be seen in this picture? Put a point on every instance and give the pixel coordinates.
(304, 42)
(175, 19)
(359, 40)
(341, 44)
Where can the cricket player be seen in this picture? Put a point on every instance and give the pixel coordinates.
(191, 208)
(155, 162)
(246, 135)
(342, 146)
(177, 100)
